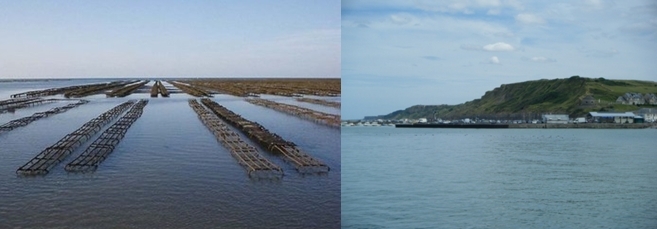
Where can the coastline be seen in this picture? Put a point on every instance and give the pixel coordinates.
(535, 126)
(585, 126)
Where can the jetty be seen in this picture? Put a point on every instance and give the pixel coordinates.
(53, 155)
(246, 155)
(100, 149)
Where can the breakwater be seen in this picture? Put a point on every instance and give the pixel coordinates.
(439, 125)
(585, 126)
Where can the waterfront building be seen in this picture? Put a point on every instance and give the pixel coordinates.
(611, 117)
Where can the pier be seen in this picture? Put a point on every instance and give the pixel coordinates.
(53, 155)
(305, 113)
(303, 162)
(246, 155)
(39, 115)
(100, 149)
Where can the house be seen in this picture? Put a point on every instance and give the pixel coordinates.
(648, 114)
(650, 99)
(588, 100)
(611, 117)
(621, 100)
(555, 118)
(633, 98)
(637, 99)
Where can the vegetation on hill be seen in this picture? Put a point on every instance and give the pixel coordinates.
(532, 98)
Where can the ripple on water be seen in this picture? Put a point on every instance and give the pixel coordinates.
(168, 171)
(432, 178)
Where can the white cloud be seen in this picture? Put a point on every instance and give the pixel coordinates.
(401, 18)
(499, 46)
(529, 19)
(465, 6)
(594, 3)
(541, 59)
(494, 60)
(493, 12)
(640, 28)
(603, 53)
(471, 47)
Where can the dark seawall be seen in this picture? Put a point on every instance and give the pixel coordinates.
(585, 126)
(533, 126)
(469, 126)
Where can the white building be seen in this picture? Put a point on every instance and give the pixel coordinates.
(611, 117)
(648, 114)
(555, 118)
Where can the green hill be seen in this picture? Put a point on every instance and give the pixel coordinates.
(574, 96)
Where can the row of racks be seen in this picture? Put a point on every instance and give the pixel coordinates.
(100, 149)
(39, 115)
(192, 90)
(247, 155)
(53, 155)
(70, 89)
(115, 85)
(320, 102)
(158, 88)
(13, 104)
(303, 162)
(127, 90)
(305, 113)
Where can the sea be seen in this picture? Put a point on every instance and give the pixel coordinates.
(506, 178)
(168, 171)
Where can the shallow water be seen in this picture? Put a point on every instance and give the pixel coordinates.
(168, 171)
(512, 178)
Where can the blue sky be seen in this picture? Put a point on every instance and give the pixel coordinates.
(80, 38)
(396, 54)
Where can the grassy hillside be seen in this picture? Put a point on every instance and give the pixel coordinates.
(533, 98)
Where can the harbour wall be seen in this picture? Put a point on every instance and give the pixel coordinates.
(585, 126)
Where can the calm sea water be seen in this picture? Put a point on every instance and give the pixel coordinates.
(168, 171)
(534, 178)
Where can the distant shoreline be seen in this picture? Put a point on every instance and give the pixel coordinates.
(535, 126)
(163, 77)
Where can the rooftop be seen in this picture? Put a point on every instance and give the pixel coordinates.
(611, 114)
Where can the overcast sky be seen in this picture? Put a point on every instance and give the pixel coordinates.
(396, 54)
(80, 38)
